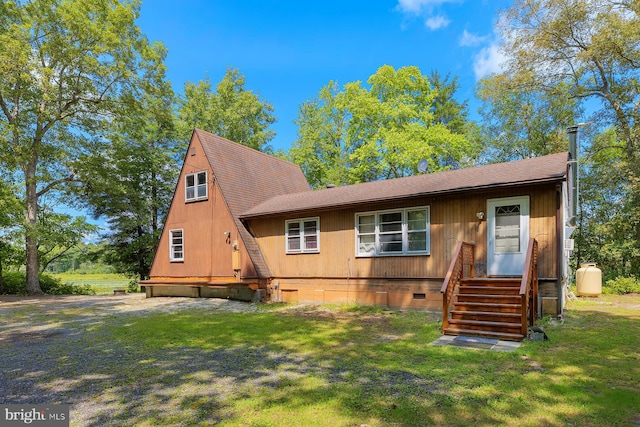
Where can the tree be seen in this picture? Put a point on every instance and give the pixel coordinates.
(62, 63)
(362, 134)
(591, 46)
(231, 111)
(130, 176)
(322, 149)
(59, 233)
(608, 217)
(519, 123)
(10, 211)
(446, 109)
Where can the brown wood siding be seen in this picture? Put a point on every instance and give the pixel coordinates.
(453, 218)
(207, 251)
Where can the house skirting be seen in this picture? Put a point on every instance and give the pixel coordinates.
(418, 294)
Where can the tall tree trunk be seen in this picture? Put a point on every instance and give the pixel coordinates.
(31, 235)
(1, 278)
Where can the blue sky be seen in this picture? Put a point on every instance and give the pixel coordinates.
(289, 50)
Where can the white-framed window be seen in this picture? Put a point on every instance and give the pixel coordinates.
(176, 245)
(195, 186)
(303, 235)
(393, 232)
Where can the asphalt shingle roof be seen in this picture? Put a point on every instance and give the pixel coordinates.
(247, 178)
(551, 168)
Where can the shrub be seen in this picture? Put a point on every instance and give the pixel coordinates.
(621, 285)
(133, 287)
(16, 283)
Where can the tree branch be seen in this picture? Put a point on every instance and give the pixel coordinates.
(51, 185)
(5, 110)
(49, 261)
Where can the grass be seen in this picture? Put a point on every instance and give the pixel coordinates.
(101, 283)
(347, 366)
(352, 368)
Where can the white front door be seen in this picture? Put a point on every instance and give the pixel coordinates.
(507, 235)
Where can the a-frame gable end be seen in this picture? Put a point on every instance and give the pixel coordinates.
(198, 234)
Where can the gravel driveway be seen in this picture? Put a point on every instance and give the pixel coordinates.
(52, 351)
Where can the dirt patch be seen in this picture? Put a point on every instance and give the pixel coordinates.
(56, 349)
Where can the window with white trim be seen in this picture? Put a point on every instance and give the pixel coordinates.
(176, 245)
(195, 185)
(303, 235)
(393, 232)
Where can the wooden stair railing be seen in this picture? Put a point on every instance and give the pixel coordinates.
(529, 287)
(496, 307)
(462, 257)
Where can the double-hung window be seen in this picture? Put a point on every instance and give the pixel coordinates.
(176, 245)
(196, 186)
(303, 235)
(393, 232)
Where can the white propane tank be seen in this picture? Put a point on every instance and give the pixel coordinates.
(589, 280)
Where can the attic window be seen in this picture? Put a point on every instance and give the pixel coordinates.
(196, 186)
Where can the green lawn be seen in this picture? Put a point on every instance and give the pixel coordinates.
(136, 363)
(100, 283)
(336, 368)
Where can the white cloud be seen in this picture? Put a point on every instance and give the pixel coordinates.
(426, 9)
(488, 60)
(417, 6)
(469, 39)
(437, 22)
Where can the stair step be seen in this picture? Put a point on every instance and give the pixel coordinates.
(510, 327)
(481, 306)
(486, 316)
(490, 334)
(494, 299)
(493, 281)
(489, 290)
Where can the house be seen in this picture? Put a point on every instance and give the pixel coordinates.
(243, 224)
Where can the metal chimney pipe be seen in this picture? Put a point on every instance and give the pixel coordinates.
(573, 173)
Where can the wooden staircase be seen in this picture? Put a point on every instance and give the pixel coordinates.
(495, 307)
(487, 307)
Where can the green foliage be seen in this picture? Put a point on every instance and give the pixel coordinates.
(608, 219)
(133, 287)
(361, 134)
(59, 233)
(133, 189)
(621, 286)
(15, 283)
(519, 124)
(64, 65)
(589, 48)
(231, 111)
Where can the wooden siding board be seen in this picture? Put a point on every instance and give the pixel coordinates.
(452, 219)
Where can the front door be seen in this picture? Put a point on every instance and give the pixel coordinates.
(507, 235)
